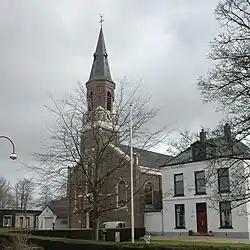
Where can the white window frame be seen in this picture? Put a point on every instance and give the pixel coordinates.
(117, 195)
(10, 216)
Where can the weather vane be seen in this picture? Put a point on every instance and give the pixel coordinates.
(102, 20)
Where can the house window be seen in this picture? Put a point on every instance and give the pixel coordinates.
(149, 190)
(7, 220)
(178, 185)
(225, 215)
(21, 221)
(109, 101)
(122, 194)
(180, 216)
(223, 180)
(37, 222)
(200, 182)
(28, 222)
(64, 222)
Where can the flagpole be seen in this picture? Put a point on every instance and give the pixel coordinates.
(132, 178)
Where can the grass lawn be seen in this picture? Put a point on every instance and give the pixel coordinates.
(5, 230)
(199, 243)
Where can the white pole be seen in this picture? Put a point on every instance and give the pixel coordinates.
(132, 178)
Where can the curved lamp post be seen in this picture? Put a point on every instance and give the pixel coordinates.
(13, 155)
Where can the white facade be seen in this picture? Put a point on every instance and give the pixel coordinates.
(47, 219)
(239, 216)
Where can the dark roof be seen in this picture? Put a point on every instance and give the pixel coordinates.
(21, 210)
(147, 158)
(215, 147)
(59, 207)
(100, 67)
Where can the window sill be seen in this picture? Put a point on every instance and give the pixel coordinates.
(200, 193)
(178, 195)
(226, 228)
(180, 228)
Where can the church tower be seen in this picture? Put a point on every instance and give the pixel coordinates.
(100, 86)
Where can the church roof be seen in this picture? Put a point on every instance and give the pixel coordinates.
(100, 67)
(59, 207)
(148, 158)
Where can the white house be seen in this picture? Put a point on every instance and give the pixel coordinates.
(197, 191)
(54, 216)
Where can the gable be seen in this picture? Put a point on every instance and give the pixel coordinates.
(59, 207)
(47, 213)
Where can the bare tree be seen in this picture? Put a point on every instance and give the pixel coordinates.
(23, 192)
(227, 84)
(6, 195)
(45, 196)
(228, 81)
(186, 138)
(90, 142)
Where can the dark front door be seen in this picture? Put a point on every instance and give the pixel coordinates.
(201, 215)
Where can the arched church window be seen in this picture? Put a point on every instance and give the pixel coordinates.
(149, 193)
(109, 101)
(122, 194)
(91, 101)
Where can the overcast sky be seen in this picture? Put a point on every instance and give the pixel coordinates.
(46, 46)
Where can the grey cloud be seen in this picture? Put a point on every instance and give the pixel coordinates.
(46, 46)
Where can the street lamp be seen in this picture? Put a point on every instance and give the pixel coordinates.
(13, 155)
(132, 177)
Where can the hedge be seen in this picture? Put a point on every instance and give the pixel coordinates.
(87, 234)
(91, 245)
(60, 245)
(70, 244)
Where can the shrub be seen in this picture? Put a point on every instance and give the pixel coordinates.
(86, 234)
(72, 234)
(125, 233)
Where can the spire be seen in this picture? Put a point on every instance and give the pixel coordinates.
(100, 67)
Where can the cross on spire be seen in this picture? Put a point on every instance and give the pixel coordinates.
(101, 20)
(100, 67)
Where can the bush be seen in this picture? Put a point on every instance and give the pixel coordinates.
(125, 233)
(86, 234)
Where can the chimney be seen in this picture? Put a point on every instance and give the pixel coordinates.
(227, 132)
(203, 135)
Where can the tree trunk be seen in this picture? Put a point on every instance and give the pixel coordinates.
(95, 228)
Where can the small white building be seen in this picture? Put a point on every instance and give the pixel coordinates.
(197, 191)
(54, 216)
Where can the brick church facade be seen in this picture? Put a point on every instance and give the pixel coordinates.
(115, 160)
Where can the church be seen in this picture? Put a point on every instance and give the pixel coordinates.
(99, 186)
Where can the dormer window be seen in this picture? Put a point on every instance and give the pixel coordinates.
(199, 151)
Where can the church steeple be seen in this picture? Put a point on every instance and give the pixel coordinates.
(100, 86)
(100, 67)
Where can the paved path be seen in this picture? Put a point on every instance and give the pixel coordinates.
(201, 238)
